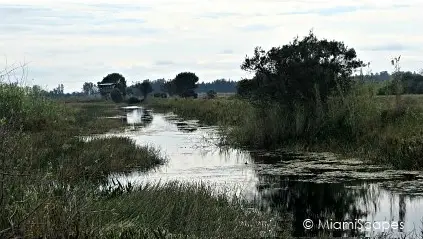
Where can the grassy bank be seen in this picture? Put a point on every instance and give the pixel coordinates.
(225, 111)
(358, 124)
(50, 179)
(93, 117)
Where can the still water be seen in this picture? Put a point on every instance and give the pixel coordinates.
(320, 187)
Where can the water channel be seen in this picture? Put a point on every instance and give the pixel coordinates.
(315, 186)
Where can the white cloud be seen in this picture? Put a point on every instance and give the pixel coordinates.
(71, 42)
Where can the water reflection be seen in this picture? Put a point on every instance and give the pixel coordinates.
(307, 186)
(186, 127)
(138, 117)
(307, 200)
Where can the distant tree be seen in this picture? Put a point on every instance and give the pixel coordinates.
(36, 89)
(89, 88)
(397, 81)
(116, 95)
(118, 79)
(220, 86)
(170, 87)
(158, 85)
(145, 88)
(184, 82)
(59, 90)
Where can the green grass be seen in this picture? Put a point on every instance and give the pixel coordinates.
(51, 179)
(184, 210)
(92, 117)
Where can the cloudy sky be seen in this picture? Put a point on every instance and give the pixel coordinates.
(72, 42)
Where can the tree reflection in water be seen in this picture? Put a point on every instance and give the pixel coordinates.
(305, 199)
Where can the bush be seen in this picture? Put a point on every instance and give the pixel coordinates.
(160, 95)
(133, 100)
(189, 93)
(116, 95)
(211, 94)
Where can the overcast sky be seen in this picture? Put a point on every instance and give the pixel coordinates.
(72, 42)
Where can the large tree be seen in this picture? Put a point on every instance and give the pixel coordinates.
(304, 71)
(184, 82)
(118, 79)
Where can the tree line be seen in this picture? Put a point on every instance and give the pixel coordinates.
(305, 71)
(185, 84)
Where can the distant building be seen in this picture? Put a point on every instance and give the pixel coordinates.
(106, 88)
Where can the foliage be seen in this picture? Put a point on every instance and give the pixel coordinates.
(211, 94)
(145, 87)
(133, 100)
(183, 83)
(160, 95)
(59, 90)
(116, 95)
(189, 94)
(220, 86)
(246, 88)
(412, 83)
(28, 109)
(305, 71)
(89, 88)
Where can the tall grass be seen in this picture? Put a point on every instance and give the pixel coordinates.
(28, 109)
(185, 210)
(216, 111)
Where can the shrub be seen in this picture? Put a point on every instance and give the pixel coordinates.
(133, 100)
(211, 94)
(160, 95)
(189, 94)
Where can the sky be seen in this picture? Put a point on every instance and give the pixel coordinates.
(72, 42)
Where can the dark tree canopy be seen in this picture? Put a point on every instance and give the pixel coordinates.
(118, 79)
(145, 87)
(183, 82)
(305, 71)
(246, 87)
